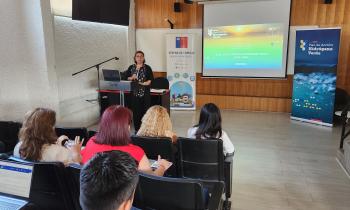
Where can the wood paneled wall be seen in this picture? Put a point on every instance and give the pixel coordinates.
(152, 14)
(253, 94)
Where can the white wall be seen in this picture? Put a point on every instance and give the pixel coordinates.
(79, 45)
(131, 33)
(27, 77)
(38, 54)
(62, 7)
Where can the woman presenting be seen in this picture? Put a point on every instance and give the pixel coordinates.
(141, 100)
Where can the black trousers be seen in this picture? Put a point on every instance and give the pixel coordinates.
(140, 106)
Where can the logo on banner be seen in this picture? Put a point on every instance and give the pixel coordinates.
(302, 45)
(181, 42)
(315, 48)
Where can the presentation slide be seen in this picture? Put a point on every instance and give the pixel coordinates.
(257, 46)
(246, 39)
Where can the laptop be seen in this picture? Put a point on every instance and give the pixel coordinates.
(111, 75)
(15, 184)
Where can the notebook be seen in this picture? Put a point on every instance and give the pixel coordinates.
(111, 75)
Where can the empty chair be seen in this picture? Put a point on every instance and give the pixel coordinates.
(160, 83)
(340, 103)
(73, 132)
(204, 159)
(341, 99)
(163, 193)
(49, 188)
(345, 132)
(9, 135)
(154, 146)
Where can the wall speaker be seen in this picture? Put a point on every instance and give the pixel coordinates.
(177, 7)
(328, 1)
(104, 11)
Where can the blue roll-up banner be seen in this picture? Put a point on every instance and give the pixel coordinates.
(315, 75)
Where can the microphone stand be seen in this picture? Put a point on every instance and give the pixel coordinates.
(97, 66)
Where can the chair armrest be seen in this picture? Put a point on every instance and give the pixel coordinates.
(229, 157)
(4, 156)
(345, 110)
(228, 165)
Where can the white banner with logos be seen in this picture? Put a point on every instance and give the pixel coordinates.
(181, 71)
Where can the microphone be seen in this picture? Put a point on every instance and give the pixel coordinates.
(135, 79)
(170, 23)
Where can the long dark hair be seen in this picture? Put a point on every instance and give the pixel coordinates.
(209, 125)
(37, 130)
(114, 126)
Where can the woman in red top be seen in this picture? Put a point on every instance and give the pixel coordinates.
(114, 134)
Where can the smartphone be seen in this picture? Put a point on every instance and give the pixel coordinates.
(155, 164)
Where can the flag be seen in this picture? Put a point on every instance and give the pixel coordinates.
(181, 42)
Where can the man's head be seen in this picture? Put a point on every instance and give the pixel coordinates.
(108, 181)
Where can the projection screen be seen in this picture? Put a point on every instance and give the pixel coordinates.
(247, 38)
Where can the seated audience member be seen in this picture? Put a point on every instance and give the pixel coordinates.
(108, 182)
(156, 123)
(38, 140)
(114, 134)
(209, 127)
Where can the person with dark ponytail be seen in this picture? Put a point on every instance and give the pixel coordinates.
(209, 127)
(143, 74)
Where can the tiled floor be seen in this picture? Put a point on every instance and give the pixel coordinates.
(279, 163)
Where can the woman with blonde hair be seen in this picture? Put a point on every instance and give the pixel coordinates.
(38, 140)
(156, 123)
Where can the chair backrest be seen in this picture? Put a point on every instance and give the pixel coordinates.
(201, 159)
(341, 99)
(154, 146)
(91, 133)
(49, 188)
(2, 147)
(73, 172)
(163, 193)
(73, 132)
(160, 83)
(9, 134)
